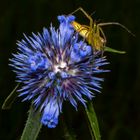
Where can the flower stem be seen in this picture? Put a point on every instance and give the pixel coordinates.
(32, 127)
(93, 121)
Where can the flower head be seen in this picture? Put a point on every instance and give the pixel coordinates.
(55, 66)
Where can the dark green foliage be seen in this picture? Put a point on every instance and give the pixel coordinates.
(32, 127)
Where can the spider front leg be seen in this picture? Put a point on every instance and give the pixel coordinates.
(86, 14)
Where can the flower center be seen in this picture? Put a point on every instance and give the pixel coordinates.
(60, 67)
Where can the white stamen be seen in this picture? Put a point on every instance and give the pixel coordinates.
(60, 66)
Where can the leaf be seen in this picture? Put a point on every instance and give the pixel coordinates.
(108, 49)
(10, 99)
(33, 126)
(93, 121)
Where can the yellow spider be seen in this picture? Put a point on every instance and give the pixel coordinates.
(94, 34)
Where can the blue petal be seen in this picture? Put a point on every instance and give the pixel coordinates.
(50, 114)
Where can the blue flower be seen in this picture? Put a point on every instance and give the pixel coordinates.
(55, 66)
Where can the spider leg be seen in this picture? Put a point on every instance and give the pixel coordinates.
(86, 14)
(116, 23)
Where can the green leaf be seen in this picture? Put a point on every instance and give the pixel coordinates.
(108, 49)
(93, 121)
(33, 126)
(10, 99)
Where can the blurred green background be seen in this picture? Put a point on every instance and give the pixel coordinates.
(117, 107)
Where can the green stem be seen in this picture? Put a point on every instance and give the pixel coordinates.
(32, 127)
(93, 121)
